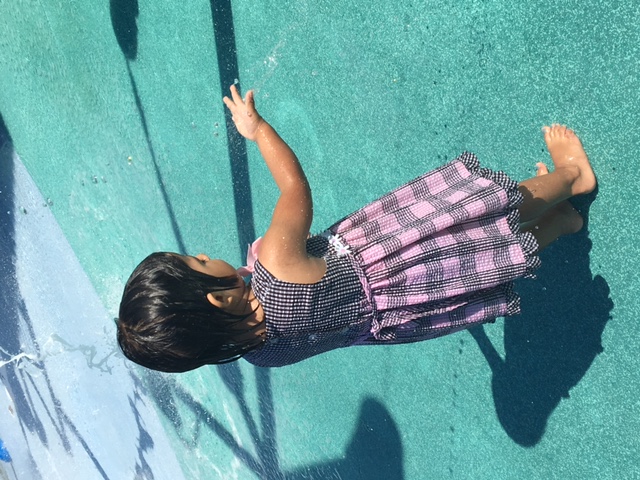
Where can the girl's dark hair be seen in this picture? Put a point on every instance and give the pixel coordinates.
(166, 322)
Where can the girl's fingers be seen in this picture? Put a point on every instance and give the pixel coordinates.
(248, 99)
(237, 99)
(237, 102)
(250, 103)
(227, 101)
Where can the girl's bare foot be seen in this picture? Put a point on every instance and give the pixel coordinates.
(567, 152)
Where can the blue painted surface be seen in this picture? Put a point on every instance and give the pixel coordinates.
(4, 453)
(117, 117)
(70, 407)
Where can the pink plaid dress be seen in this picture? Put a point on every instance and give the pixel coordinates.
(440, 253)
(435, 256)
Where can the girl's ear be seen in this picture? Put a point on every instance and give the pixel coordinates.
(217, 300)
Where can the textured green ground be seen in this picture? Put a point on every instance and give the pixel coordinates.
(133, 155)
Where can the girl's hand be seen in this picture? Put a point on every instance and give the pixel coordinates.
(243, 113)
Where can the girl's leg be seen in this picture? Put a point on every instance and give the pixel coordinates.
(572, 175)
(560, 220)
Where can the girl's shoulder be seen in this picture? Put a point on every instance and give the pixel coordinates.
(303, 264)
(308, 271)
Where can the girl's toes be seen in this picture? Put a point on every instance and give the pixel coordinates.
(542, 169)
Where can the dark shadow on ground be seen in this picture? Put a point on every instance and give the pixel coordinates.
(11, 303)
(227, 55)
(552, 344)
(165, 392)
(156, 167)
(16, 329)
(172, 399)
(375, 449)
(145, 442)
(124, 14)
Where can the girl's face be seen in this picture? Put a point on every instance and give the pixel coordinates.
(215, 268)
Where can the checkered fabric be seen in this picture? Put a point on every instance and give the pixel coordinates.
(306, 320)
(440, 253)
(437, 255)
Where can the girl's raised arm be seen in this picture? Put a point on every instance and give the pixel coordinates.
(283, 248)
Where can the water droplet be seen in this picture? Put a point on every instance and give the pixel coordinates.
(23, 210)
(49, 202)
(94, 179)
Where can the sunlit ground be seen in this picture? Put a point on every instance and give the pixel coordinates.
(114, 111)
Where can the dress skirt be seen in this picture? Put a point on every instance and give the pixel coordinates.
(440, 253)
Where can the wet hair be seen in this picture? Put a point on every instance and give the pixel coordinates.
(166, 322)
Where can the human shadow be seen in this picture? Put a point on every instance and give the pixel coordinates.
(375, 449)
(30, 397)
(551, 345)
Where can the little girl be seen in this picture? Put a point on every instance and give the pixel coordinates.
(433, 257)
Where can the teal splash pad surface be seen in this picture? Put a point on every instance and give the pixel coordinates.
(130, 146)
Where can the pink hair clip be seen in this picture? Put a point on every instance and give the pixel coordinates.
(252, 256)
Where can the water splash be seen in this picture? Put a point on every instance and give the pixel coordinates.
(16, 358)
(56, 345)
(270, 62)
